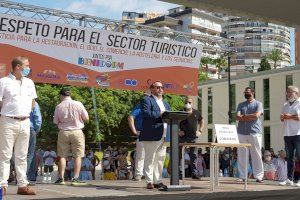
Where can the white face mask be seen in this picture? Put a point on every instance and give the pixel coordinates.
(188, 106)
(291, 100)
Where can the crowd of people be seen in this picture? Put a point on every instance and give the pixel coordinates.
(21, 120)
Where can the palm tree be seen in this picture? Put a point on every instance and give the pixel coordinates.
(221, 63)
(206, 61)
(275, 56)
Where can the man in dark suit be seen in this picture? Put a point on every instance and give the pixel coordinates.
(153, 135)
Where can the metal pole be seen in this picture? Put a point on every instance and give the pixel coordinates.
(229, 93)
(82, 22)
(174, 152)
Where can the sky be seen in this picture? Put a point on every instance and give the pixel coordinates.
(107, 9)
(111, 9)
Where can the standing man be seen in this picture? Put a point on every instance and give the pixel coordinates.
(135, 124)
(153, 135)
(17, 95)
(70, 116)
(290, 116)
(35, 127)
(190, 129)
(249, 130)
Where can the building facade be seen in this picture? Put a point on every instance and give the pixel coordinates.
(138, 18)
(253, 40)
(194, 21)
(270, 87)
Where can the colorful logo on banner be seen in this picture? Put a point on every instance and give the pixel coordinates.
(188, 86)
(82, 78)
(51, 74)
(102, 63)
(103, 80)
(131, 82)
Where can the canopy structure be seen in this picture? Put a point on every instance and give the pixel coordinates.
(276, 11)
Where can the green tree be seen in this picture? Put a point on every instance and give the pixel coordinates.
(221, 63)
(206, 61)
(113, 108)
(264, 64)
(275, 56)
(202, 76)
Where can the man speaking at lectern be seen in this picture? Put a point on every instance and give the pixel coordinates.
(153, 135)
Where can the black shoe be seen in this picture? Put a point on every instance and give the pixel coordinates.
(77, 182)
(196, 177)
(60, 181)
(161, 186)
(259, 181)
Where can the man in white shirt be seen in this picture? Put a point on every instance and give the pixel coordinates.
(17, 94)
(290, 116)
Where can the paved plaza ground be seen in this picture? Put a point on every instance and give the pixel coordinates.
(131, 190)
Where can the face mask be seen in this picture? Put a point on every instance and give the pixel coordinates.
(25, 71)
(247, 96)
(291, 100)
(188, 106)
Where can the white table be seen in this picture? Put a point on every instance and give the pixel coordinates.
(214, 160)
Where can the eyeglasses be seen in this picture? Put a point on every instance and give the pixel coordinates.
(159, 87)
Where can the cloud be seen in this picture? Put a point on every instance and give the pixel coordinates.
(113, 9)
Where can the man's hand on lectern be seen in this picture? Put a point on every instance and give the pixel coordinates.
(181, 133)
(198, 133)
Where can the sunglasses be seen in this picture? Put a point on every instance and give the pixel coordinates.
(159, 87)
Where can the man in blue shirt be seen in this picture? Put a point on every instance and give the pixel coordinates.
(35, 127)
(135, 122)
(250, 131)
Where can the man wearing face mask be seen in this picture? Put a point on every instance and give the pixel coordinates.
(190, 130)
(290, 116)
(250, 131)
(17, 96)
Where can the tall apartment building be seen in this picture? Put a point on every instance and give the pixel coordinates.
(138, 18)
(253, 40)
(191, 20)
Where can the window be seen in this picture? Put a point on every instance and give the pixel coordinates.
(288, 80)
(200, 101)
(209, 135)
(267, 138)
(252, 84)
(266, 104)
(210, 106)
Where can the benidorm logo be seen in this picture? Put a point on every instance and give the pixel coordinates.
(48, 74)
(77, 78)
(100, 63)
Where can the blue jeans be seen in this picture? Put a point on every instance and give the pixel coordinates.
(31, 171)
(292, 144)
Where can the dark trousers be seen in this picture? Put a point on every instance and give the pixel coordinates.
(31, 171)
(292, 145)
(193, 152)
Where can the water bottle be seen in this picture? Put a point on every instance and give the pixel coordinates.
(48, 177)
(220, 173)
(44, 178)
(226, 172)
(0, 193)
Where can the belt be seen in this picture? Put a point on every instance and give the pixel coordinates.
(18, 118)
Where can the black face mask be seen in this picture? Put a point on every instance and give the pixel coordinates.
(247, 96)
